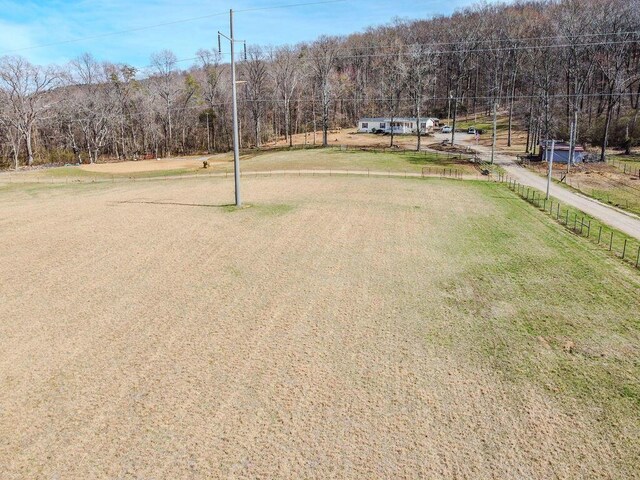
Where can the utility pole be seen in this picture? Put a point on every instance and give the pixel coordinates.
(493, 143)
(574, 138)
(570, 146)
(550, 165)
(208, 135)
(234, 102)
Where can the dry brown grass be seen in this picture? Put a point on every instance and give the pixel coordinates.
(338, 328)
(351, 137)
(599, 180)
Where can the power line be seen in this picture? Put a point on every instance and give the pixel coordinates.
(164, 24)
(480, 50)
(504, 40)
(110, 34)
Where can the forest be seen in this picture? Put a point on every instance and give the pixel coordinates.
(554, 69)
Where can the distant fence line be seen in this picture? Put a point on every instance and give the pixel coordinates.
(470, 155)
(425, 172)
(625, 167)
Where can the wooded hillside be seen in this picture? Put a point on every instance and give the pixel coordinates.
(545, 64)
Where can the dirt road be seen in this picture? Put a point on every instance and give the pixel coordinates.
(625, 222)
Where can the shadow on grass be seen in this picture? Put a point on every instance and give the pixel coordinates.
(226, 206)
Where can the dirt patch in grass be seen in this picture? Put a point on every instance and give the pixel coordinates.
(338, 328)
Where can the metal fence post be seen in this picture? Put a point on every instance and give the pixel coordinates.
(624, 248)
(611, 241)
(638, 257)
(599, 234)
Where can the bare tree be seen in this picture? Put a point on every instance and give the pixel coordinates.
(26, 90)
(163, 65)
(420, 76)
(285, 70)
(257, 76)
(93, 106)
(393, 80)
(209, 76)
(322, 58)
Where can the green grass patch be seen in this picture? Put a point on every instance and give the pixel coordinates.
(584, 225)
(546, 306)
(274, 210)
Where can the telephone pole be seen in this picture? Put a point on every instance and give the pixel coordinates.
(549, 164)
(570, 147)
(493, 143)
(234, 102)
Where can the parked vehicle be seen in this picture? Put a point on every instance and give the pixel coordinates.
(446, 129)
(472, 130)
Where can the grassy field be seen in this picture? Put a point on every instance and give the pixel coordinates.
(628, 164)
(619, 244)
(337, 327)
(311, 158)
(354, 159)
(601, 181)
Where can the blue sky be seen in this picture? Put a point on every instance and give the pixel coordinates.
(27, 24)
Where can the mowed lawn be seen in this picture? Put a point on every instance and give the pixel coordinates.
(354, 160)
(336, 328)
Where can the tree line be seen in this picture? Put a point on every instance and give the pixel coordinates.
(554, 68)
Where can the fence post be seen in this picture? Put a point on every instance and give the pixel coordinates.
(624, 248)
(581, 225)
(566, 220)
(638, 257)
(545, 205)
(599, 234)
(558, 212)
(575, 221)
(589, 230)
(611, 241)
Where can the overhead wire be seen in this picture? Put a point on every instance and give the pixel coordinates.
(163, 24)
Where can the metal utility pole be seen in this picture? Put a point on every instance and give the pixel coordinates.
(574, 138)
(550, 165)
(236, 144)
(493, 143)
(570, 146)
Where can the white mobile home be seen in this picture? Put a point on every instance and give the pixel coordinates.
(400, 125)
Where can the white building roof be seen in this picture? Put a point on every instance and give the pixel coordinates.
(395, 119)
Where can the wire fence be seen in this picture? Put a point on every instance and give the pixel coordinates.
(423, 172)
(619, 189)
(620, 245)
(625, 167)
